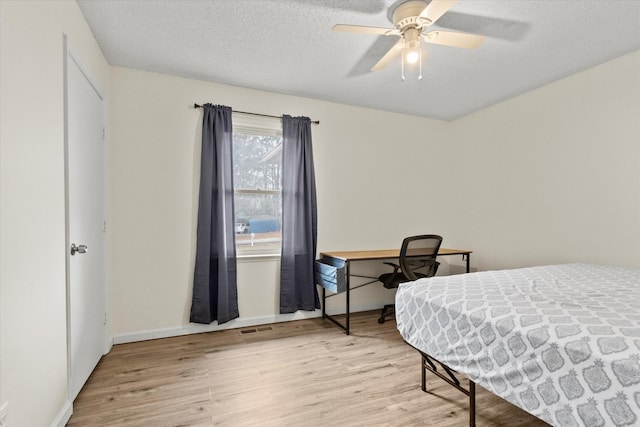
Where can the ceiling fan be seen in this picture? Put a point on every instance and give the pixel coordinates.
(411, 19)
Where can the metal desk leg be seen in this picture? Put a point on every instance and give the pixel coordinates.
(348, 293)
(468, 263)
(324, 303)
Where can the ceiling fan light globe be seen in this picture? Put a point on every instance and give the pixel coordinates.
(413, 56)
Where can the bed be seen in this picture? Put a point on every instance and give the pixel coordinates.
(561, 342)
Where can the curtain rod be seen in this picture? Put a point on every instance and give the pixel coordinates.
(317, 122)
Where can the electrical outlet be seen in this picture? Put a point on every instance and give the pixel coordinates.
(4, 409)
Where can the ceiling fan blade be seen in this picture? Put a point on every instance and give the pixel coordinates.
(447, 38)
(391, 53)
(365, 30)
(436, 9)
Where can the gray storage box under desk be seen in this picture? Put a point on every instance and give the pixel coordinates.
(331, 274)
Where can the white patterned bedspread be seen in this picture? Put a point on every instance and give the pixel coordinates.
(561, 342)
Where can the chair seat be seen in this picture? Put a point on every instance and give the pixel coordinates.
(392, 280)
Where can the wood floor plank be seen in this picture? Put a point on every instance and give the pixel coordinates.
(306, 372)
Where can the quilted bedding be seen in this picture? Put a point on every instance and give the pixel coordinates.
(561, 342)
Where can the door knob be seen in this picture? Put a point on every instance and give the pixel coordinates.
(81, 249)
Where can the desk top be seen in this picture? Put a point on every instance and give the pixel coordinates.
(383, 254)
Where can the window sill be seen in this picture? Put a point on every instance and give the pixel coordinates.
(257, 257)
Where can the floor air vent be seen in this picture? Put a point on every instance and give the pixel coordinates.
(254, 330)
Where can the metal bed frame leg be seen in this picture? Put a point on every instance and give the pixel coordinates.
(424, 375)
(472, 404)
(428, 365)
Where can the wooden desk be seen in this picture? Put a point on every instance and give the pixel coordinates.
(371, 255)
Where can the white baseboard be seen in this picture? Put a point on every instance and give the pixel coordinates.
(108, 344)
(194, 328)
(65, 414)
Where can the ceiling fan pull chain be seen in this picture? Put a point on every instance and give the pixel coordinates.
(403, 49)
(420, 64)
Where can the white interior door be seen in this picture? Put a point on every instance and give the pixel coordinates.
(86, 308)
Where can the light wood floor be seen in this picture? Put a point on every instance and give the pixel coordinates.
(303, 373)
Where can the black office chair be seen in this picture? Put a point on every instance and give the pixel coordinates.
(417, 260)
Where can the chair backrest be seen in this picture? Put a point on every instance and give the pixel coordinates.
(418, 256)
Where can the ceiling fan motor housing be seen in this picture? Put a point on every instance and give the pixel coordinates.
(407, 15)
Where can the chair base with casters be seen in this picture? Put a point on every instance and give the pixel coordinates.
(387, 310)
(417, 260)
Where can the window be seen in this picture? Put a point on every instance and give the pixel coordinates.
(257, 180)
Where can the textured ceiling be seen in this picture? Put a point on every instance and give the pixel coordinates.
(287, 46)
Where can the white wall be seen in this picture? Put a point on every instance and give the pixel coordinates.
(550, 176)
(33, 349)
(553, 176)
(378, 174)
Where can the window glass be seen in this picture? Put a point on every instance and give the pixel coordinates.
(257, 180)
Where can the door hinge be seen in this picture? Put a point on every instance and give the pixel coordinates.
(105, 318)
(104, 226)
(103, 134)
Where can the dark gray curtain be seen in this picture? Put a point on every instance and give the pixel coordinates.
(215, 294)
(299, 218)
